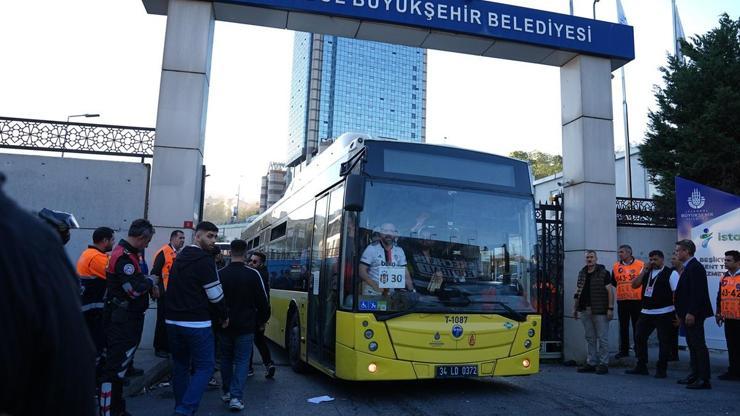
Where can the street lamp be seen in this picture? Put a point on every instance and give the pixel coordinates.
(595, 1)
(66, 127)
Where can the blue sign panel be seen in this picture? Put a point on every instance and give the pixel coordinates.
(478, 18)
(711, 219)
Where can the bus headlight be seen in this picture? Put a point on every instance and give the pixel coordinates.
(369, 333)
(373, 346)
(527, 343)
(372, 367)
(530, 332)
(525, 363)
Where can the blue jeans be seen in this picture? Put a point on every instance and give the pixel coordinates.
(235, 353)
(190, 347)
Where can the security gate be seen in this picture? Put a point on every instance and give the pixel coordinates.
(550, 256)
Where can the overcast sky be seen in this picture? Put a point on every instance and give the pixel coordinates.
(92, 56)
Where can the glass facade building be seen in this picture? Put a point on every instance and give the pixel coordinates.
(344, 85)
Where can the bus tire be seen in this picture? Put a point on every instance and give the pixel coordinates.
(293, 344)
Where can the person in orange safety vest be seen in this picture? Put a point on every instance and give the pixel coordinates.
(728, 312)
(629, 299)
(163, 260)
(91, 270)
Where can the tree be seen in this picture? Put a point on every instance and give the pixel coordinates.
(219, 210)
(695, 132)
(543, 164)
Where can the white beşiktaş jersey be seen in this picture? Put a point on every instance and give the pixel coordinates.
(374, 257)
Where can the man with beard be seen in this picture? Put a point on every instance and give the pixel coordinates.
(194, 289)
(91, 268)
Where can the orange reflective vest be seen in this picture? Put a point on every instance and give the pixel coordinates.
(92, 263)
(169, 258)
(623, 274)
(729, 294)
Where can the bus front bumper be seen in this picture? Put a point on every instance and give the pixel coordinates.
(356, 365)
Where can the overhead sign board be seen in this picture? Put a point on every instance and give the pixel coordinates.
(468, 26)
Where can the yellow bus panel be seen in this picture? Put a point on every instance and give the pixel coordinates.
(411, 346)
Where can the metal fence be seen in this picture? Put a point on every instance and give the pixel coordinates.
(642, 212)
(550, 255)
(60, 136)
(632, 212)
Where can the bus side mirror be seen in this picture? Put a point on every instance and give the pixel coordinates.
(354, 193)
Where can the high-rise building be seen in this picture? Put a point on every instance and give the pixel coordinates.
(344, 85)
(273, 185)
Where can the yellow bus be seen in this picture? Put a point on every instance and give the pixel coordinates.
(390, 260)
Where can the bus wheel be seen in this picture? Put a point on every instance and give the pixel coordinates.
(294, 344)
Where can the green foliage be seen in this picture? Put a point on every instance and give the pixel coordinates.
(543, 164)
(695, 132)
(219, 210)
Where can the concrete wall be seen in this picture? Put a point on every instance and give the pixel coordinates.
(643, 240)
(98, 192)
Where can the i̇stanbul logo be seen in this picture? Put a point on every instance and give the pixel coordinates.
(706, 236)
(696, 200)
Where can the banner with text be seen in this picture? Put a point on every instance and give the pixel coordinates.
(711, 219)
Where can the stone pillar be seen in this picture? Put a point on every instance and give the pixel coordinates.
(175, 190)
(588, 180)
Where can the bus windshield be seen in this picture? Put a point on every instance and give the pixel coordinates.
(433, 249)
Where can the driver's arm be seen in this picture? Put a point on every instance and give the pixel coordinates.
(366, 277)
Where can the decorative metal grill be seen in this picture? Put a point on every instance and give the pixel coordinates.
(550, 255)
(60, 136)
(641, 212)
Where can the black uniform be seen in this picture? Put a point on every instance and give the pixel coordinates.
(126, 302)
(48, 358)
(260, 341)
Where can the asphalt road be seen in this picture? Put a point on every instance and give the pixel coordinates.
(557, 390)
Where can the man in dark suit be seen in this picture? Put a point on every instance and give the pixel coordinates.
(692, 308)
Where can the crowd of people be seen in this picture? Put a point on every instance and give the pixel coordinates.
(202, 308)
(86, 326)
(656, 296)
(199, 309)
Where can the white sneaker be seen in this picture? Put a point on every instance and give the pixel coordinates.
(236, 404)
(226, 397)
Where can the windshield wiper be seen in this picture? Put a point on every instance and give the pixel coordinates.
(517, 316)
(388, 316)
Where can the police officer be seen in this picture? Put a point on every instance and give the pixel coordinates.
(163, 260)
(91, 268)
(126, 301)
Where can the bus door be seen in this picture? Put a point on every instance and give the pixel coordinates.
(323, 285)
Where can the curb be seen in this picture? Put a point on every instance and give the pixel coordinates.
(137, 384)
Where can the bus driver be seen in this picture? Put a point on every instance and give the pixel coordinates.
(383, 265)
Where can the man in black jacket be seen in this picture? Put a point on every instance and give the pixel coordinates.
(594, 302)
(257, 261)
(48, 358)
(246, 299)
(193, 291)
(693, 306)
